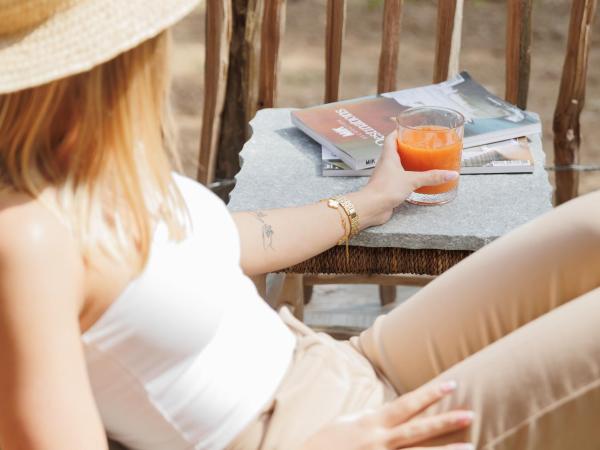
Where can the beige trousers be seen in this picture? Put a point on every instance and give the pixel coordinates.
(517, 325)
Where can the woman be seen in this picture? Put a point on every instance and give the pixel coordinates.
(125, 305)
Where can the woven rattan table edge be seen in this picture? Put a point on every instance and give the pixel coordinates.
(380, 260)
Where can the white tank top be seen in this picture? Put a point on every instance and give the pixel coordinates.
(189, 353)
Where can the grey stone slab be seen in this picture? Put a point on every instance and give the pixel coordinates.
(281, 167)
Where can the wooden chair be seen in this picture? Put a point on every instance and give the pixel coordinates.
(242, 50)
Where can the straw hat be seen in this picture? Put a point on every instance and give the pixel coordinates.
(44, 40)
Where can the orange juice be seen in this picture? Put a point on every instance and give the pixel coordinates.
(430, 147)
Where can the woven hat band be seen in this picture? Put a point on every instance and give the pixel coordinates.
(21, 15)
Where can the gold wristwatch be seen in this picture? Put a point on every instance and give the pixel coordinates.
(335, 204)
(350, 211)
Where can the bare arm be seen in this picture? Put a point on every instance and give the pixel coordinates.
(46, 401)
(275, 239)
(279, 238)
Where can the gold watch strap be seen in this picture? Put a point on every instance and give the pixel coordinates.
(350, 211)
(334, 204)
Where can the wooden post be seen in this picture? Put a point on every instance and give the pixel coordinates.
(252, 40)
(447, 43)
(334, 36)
(387, 294)
(273, 26)
(390, 44)
(292, 295)
(241, 83)
(571, 98)
(518, 51)
(218, 37)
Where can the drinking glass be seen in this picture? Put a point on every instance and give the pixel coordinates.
(431, 138)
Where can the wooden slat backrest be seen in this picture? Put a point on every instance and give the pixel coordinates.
(390, 45)
(571, 98)
(241, 61)
(233, 42)
(334, 36)
(272, 31)
(252, 40)
(448, 42)
(218, 27)
(518, 51)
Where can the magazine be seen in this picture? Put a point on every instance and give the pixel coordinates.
(510, 156)
(354, 130)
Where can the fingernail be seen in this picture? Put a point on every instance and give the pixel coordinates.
(448, 386)
(465, 417)
(450, 175)
(463, 447)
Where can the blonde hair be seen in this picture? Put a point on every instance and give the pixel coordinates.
(102, 139)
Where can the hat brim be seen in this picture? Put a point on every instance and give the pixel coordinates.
(82, 36)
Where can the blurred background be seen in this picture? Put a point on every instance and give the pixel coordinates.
(302, 66)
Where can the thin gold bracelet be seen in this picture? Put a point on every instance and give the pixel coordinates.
(335, 204)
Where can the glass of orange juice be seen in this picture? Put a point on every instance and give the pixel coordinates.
(431, 138)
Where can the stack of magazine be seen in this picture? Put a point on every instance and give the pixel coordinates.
(351, 132)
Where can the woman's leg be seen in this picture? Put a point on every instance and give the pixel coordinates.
(503, 286)
(537, 388)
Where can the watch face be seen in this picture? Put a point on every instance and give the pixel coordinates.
(333, 203)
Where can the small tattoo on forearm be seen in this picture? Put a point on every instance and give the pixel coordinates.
(267, 230)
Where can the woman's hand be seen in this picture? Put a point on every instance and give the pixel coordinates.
(394, 425)
(390, 184)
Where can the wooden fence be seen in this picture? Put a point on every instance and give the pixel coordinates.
(242, 51)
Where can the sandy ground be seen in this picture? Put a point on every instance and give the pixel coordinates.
(302, 66)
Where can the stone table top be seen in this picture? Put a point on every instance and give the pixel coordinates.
(281, 167)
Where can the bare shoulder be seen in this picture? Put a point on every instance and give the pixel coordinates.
(31, 234)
